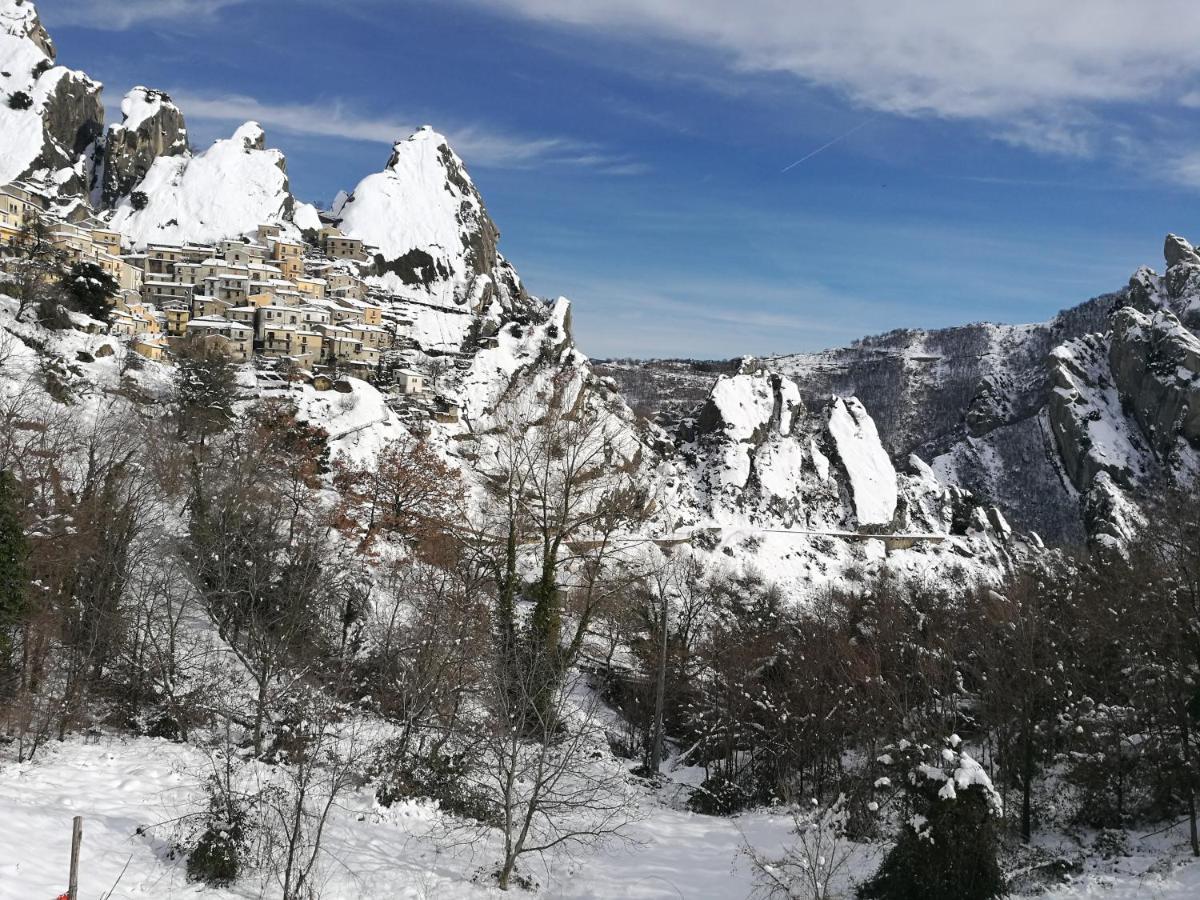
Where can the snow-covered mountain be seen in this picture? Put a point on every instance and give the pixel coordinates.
(934, 439)
(425, 224)
(227, 190)
(50, 116)
(1065, 426)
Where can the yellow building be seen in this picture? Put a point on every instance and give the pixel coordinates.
(177, 320)
(291, 341)
(288, 256)
(311, 287)
(18, 209)
(150, 347)
(234, 338)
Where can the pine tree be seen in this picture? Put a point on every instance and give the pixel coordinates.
(90, 289)
(947, 846)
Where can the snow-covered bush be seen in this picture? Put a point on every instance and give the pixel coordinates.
(220, 852)
(946, 849)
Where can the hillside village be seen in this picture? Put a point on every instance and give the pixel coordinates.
(297, 307)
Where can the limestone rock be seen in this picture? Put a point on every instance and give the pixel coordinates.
(152, 126)
(1155, 363)
(1177, 251)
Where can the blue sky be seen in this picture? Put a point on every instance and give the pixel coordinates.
(990, 161)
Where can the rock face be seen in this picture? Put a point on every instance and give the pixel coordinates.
(49, 116)
(869, 469)
(151, 127)
(1155, 363)
(1176, 250)
(425, 223)
(226, 191)
(1069, 426)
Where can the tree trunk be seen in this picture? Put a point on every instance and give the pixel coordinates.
(660, 690)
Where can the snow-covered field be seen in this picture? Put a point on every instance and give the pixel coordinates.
(130, 789)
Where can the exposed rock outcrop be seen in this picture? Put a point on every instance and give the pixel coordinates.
(1177, 250)
(1155, 362)
(49, 115)
(151, 127)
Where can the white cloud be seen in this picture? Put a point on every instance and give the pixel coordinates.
(992, 58)
(478, 145)
(120, 15)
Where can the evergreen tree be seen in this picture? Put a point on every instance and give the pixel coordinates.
(947, 846)
(90, 289)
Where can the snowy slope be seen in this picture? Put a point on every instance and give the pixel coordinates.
(423, 217)
(64, 116)
(226, 191)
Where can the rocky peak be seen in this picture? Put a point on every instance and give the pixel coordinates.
(424, 220)
(49, 116)
(19, 19)
(253, 137)
(1155, 364)
(226, 191)
(151, 127)
(1178, 251)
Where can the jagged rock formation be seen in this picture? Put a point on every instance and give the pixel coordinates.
(1155, 363)
(807, 491)
(226, 191)
(426, 227)
(1068, 426)
(50, 116)
(151, 127)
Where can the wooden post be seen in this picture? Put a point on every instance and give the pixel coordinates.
(76, 840)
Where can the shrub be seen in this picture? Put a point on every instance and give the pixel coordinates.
(947, 848)
(19, 100)
(138, 199)
(719, 796)
(440, 777)
(220, 853)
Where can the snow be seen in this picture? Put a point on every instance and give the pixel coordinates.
(141, 104)
(121, 786)
(872, 476)
(820, 461)
(413, 204)
(21, 133)
(226, 191)
(745, 403)
(306, 218)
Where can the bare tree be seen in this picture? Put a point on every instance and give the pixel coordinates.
(546, 768)
(325, 756)
(562, 496)
(816, 864)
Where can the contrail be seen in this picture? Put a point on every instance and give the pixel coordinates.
(826, 146)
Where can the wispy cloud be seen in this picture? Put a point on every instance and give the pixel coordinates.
(121, 15)
(940, 56)
(477, 144)
(1053, 78)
